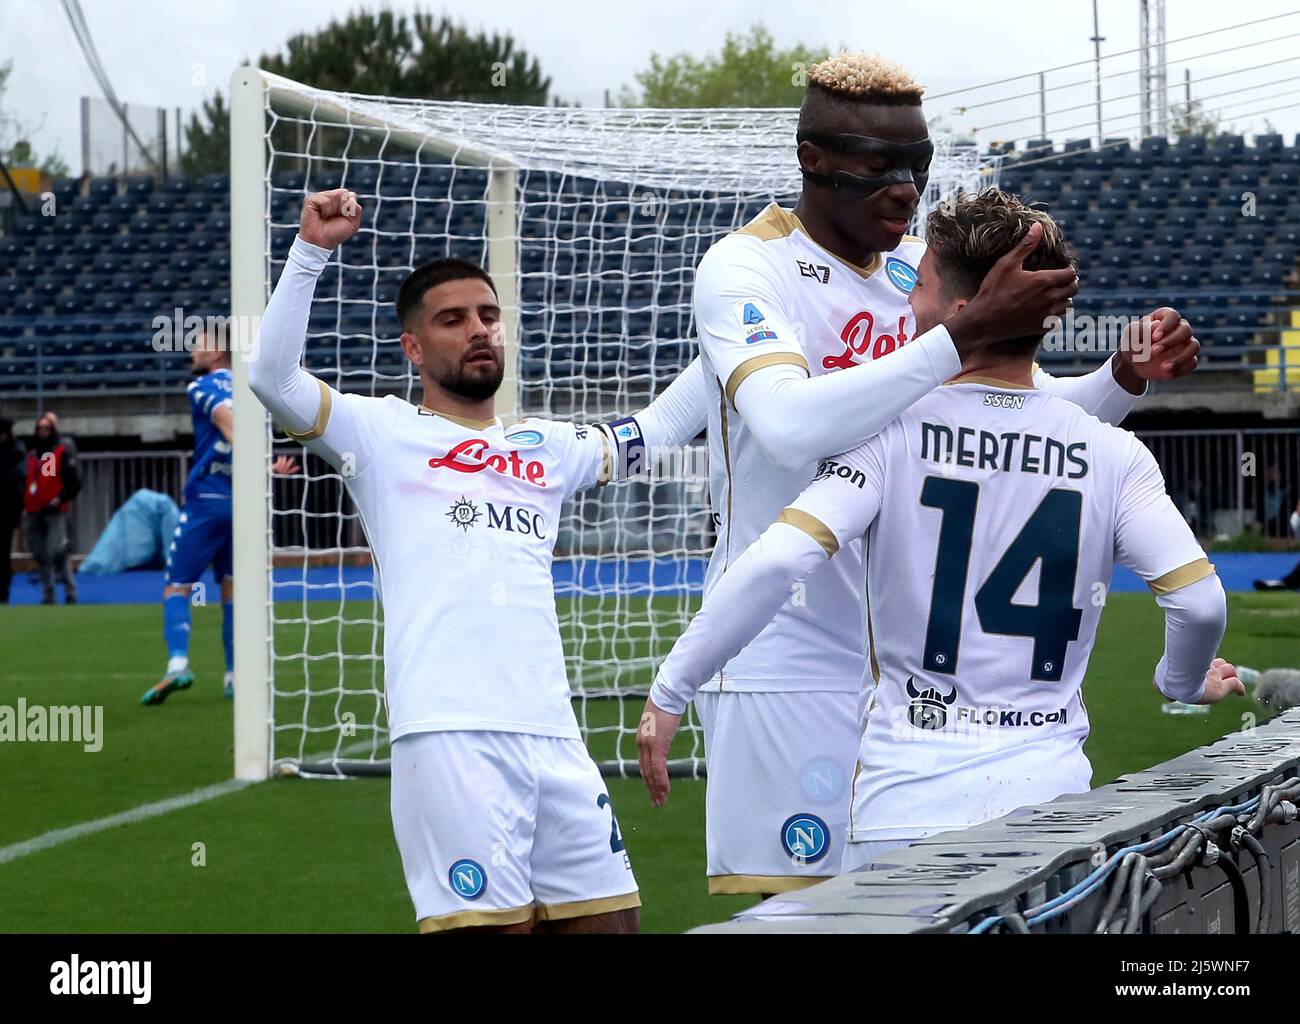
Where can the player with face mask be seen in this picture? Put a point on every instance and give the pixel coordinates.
(809, 348)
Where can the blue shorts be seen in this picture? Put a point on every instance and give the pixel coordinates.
(203, 537)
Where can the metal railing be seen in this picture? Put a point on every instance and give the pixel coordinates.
(1223, 481)
(1226, 481)
(109, 478)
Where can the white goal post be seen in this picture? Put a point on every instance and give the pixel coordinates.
(591, 222)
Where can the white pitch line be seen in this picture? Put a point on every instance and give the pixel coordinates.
(65, 835)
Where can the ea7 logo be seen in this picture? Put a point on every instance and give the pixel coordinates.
(814, 270)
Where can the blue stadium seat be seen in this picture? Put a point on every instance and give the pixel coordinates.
(1274, 199)
(1145, 277)
(1282, 173)
(1242, 176)
(1128, 178)
(1115, 199)
(1281, 253)
(361, 176)
(1270, 143)
(1210, 234)
(1155, 197)
(103, 188)
(290, 181)
(65, 191)
(1155, 145)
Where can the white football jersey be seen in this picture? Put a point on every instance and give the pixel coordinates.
(769, 294)
(993, 516)
(461, 519)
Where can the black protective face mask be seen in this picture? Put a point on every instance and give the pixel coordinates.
(906, 158)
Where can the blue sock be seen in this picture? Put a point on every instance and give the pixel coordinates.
(228, 632)
(176, 625)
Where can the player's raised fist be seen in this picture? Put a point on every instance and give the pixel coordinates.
(1160, 346)
(329, 218)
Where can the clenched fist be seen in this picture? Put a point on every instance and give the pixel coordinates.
(329, 218)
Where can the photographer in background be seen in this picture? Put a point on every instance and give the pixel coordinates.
(52, 482)
(13, 470)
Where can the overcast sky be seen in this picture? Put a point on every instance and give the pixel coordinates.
(154, 50)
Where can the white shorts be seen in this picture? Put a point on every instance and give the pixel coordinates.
(780, 767)
(498, 828)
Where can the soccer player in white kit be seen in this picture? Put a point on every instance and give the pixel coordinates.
(991, 514)
(810, 348)
(500, 814)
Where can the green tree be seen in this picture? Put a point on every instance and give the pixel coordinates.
(384, 54)
(1193, 119)
(16, 149)
(750, 71)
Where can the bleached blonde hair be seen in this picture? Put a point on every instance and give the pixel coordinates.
(865, 76)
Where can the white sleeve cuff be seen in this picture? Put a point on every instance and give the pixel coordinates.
(308, 256)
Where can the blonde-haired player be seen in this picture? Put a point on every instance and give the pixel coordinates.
(988, 512)
(809, 348)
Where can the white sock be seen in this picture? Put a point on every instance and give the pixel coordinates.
(177, 664)
(229, 679)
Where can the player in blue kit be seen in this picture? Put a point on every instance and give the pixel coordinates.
(203, 535)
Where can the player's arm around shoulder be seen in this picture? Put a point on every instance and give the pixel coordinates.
(836, 507)
(846, 492)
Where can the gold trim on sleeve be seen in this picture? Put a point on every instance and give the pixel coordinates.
(749, 366)
(1183, 576)
(812, 526)
(606, 459)
(322, 416)
(588, 908)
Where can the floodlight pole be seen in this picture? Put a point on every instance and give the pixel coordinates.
(1097, 40)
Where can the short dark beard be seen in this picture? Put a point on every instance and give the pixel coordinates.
(473, 388)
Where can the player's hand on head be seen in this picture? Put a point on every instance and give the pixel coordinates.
(1014, 302)
(1160, 346)
(654, 736)
(1221, 681)
(329, 218)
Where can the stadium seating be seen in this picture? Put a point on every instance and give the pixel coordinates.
(1153, 223)
(1193, 223)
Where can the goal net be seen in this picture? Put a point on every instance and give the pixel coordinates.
(591, 222)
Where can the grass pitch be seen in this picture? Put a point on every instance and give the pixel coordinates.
(318, 856)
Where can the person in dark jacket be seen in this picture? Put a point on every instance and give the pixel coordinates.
(51, 483)
(13, 472)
